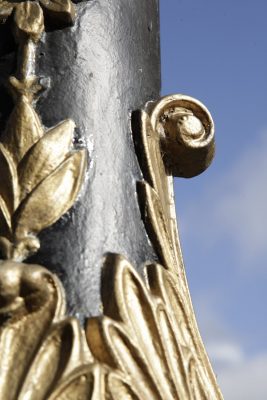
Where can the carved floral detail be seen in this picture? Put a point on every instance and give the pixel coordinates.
(147, 335)
(41, 177)
(144, 347)
(161, 129)
(41, 172)
(182, 126)
(147, 344)
(29, 16)
(43, 354)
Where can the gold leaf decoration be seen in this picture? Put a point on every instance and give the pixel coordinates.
(5, 216)
(146, 345)
(43, 355)
(148, 336)
(29, 20)
(35, 163)
(45, 156)
(41, 166)
(162, 135)
(157, 130)
(8, 179)
(23, 129)
(59, 189)
(155, 194)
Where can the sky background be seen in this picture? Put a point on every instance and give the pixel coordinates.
(216, 51)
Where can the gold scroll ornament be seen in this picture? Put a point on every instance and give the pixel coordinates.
(146, 345)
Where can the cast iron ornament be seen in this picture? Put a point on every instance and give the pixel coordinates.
(146, 345)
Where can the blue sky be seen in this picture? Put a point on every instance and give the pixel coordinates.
(216, 51)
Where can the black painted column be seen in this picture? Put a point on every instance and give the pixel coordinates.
(97, 73)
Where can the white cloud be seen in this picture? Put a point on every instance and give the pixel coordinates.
(246, 380)
(234, 207)
(225, 353)
(232, 212)
(240, 376)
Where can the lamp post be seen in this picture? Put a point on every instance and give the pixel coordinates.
(93, 292)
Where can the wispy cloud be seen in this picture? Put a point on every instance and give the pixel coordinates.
(241, 376)
(227, 220)
(225, 353)
(234, 207)
(245, 380)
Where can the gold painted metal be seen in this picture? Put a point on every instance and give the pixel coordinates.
(155, 139)
(41, 173)
(149, 332)
(29, 17)
(148, 337)
(147, 344)
(186, 132)
(43, 355)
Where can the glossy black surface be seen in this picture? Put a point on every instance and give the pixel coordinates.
(100, 70)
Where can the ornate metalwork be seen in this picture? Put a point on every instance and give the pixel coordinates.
(174, 136)
(146, 345)
(36, 163)
(43, 355)
(148, 336)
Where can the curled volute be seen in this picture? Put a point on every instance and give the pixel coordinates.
(186, 132)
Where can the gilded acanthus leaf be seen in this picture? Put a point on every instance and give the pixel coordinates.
(176, 126)
(59, 190)
(42, 354)
(157, 223)
(37, 165)
(45, 156)
(148, 336)
(23, 129)
(155, 194)
(8, 179)
(85, 383)
(29, 20)
(5, 217)
(42, 174)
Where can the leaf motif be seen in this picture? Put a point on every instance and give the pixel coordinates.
(5, 218)
(59, 354)
(144, 335)
(156, 223)
(45, 156)
(129, 357)
(23, 129)
(136, 344)
(52, 197)
(30, 299)
(120, 388)
(29, 20)
(8, 180)
(84, 383)
(6, 246)
(42, 355)
(174, 294)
